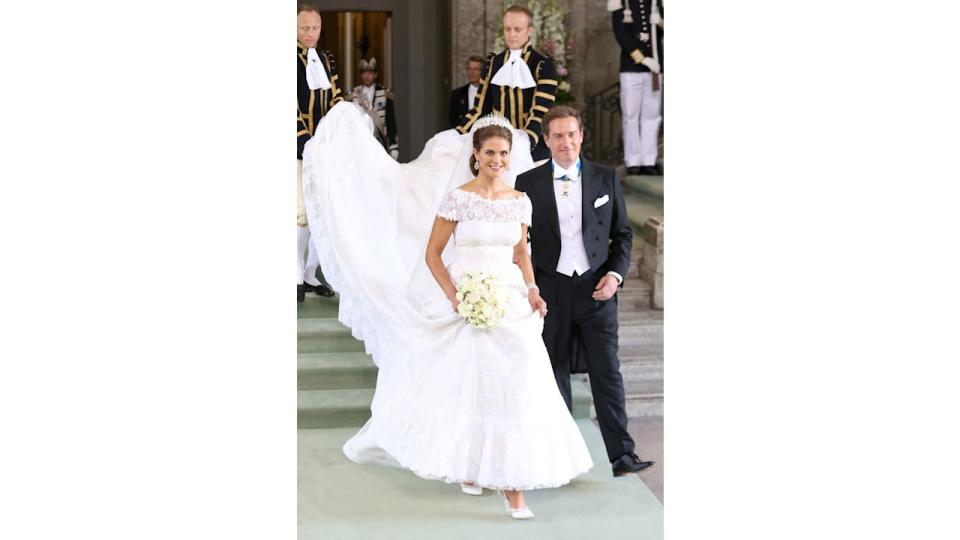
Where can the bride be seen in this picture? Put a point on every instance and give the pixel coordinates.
(454, 402)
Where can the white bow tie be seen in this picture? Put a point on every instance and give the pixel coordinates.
(559, 172)
(316, 75)
(514, 73)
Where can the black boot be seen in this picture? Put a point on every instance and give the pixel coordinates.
(301, 293)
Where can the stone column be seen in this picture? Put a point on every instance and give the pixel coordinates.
(651, 265)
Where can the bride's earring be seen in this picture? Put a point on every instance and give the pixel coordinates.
(476, 165)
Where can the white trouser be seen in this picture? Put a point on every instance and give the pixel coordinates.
(306, 267)
(306, 270)
(640, 105)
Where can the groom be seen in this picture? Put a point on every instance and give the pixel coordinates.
(580, 241)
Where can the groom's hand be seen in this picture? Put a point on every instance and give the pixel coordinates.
(606, 288)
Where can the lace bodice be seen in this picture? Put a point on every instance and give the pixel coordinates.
(486, 230)
(459, 205)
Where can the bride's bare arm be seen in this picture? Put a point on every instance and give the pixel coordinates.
(439, 236)
(522, 257)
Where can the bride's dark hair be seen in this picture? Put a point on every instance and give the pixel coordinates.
(481, 135)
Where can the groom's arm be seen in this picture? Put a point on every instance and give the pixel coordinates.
(621, 234)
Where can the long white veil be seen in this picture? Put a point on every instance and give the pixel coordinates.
(370, 218)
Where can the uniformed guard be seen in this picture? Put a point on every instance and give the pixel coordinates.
(519, 83)
(638, 27)
(378, 102)
(317, 92)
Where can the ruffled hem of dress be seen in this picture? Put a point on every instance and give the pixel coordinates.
(452, 480)
(397, 437)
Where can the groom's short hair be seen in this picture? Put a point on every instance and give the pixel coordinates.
(520, 9)
(560, 111)
(308, 8)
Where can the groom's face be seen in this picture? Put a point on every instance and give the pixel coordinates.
(564, 138)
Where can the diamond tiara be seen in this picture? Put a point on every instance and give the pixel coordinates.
(491, 119)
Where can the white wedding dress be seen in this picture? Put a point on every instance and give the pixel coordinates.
(453, 402)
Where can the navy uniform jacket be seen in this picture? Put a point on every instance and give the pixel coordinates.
(628, 36)
(524, 108)
(312, 105)
(458, 104)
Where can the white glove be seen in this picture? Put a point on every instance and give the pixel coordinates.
(652, 64)
(395, 154)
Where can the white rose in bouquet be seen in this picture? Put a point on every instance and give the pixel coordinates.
(482, 298)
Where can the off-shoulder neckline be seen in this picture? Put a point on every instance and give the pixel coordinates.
(481, 197)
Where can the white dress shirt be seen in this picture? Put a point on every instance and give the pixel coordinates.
(573, 254)
(472, 95)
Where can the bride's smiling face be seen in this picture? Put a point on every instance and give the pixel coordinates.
(493, 156)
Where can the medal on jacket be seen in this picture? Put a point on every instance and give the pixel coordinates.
(565, 186)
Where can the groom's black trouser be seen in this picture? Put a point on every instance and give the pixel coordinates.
(571, 309)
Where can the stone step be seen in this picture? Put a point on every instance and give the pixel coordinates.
(642, 354)
(634, 300)
(641, 334)
(317, 307)
(651, 186)
(641, 207)
(333, 408)
(642, 378)
(332, 370)
(644, 405)
(325, 335)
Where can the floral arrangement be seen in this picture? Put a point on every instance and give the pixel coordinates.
(482, 299)
(550, 38)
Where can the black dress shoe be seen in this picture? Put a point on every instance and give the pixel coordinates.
(649, 170)
(322, 290)
(301, 293)
(634, 171)
(629, 463)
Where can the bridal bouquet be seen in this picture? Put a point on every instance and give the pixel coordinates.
(482, 298)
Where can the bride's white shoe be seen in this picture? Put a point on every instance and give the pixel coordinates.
(471, 489)
(516, 513)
